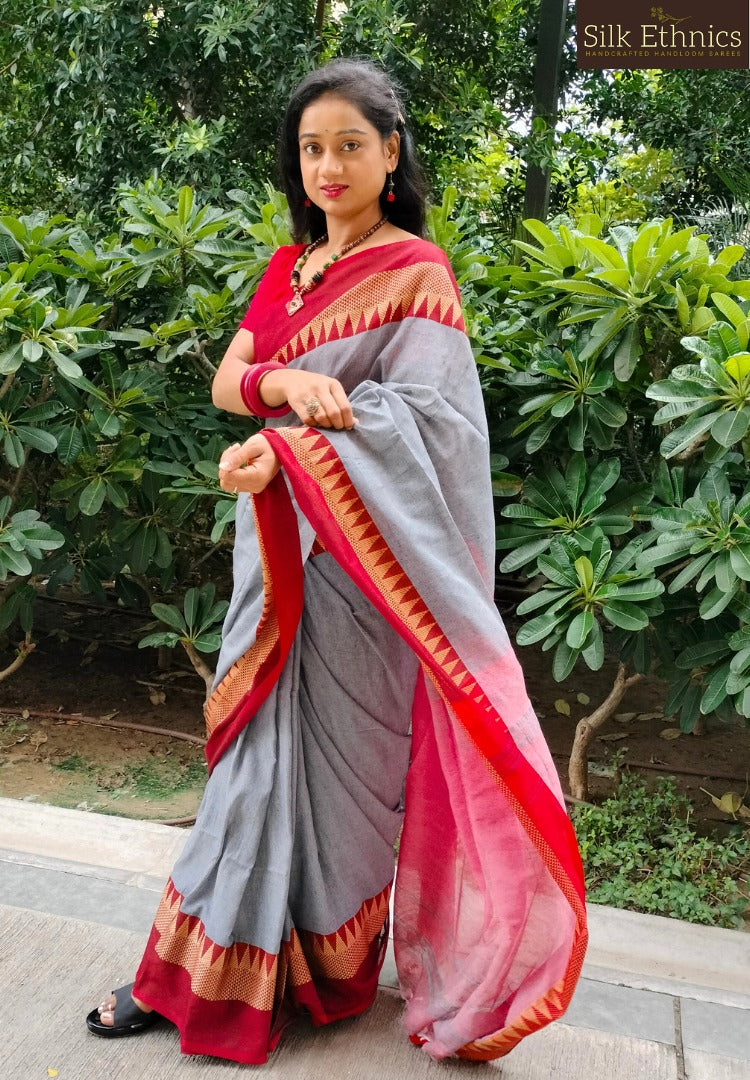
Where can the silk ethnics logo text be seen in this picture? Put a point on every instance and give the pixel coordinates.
(684, 34)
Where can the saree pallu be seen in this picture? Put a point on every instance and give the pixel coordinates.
(363, 609)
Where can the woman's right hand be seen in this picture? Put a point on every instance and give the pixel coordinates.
(302, 390)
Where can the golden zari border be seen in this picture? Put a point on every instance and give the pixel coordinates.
(246, 973)
(243, 672)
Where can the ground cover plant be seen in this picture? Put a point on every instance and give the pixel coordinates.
(641, 851)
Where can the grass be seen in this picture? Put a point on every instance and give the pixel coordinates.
(74, 763)
(159, 780)
(150, 780)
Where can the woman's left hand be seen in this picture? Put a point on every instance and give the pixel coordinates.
(249, 466)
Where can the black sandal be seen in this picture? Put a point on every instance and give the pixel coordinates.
(128, 1018)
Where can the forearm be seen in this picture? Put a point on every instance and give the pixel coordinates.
(225, 389)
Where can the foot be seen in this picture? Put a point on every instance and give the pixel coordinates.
(121, 1014)
(107, 1008)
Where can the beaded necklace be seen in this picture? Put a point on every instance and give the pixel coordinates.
(301, 291)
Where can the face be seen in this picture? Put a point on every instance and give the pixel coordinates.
(344, 160)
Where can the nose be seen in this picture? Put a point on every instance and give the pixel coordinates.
(330, 164)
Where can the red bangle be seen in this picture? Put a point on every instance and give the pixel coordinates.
(249, 390)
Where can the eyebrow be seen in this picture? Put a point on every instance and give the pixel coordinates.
(346, 131)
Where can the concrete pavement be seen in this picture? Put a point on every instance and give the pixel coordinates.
(659, 999)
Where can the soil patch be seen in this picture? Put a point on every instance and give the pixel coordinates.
(87, 664)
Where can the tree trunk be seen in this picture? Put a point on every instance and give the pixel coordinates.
(578, 766)
(25, 649)
(320, 20)
(552, 19)
(200, 666)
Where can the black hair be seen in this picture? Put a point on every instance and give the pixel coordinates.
(369, 89)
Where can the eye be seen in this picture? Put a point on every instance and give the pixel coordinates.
(350, 146)
(310, 148)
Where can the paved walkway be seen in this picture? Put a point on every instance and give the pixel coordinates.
(659, 1000)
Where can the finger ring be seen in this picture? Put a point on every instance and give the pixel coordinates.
(312, 405)
(234, 490)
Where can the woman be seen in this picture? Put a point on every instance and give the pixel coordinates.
(362, 611)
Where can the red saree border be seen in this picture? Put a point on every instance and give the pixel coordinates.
(239, 695)
(234, 1001)
(424, 290)
(333, 506)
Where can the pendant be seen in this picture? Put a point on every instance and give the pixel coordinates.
(295, 304)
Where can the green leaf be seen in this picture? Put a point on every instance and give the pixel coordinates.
(575, 479)
(13, 450)
(726, 579)
(13, 560)
(563, 661)
(579, 630)
(37, 438)
(739, 558)
(690, 711)
(558, 572)
(593, 652)
(639, 591)
(158, 640)
(172, 616)
(625, 615)
(627, 354)
(92, 497)
(542, 598)
(577, 428)
(585, 572)
(609, 412)
(729, 308)
(142, 550)
(740, 662)
(191, 606)
(730, 427)
(714, 485)
(66, 366)
(602, 479)
(540, 435)
(168, 468)
(163, 553)
(715, 602)
(539, 628)
(207, 643)
(685, 436)
(185, 204)
(702, 654)
(541, 232)
(524, 554)
(70, 445)
(11, 359)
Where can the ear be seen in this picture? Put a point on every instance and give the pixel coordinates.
(391, 148)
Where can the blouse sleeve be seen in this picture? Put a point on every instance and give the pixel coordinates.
(254, 314)
(249, 384)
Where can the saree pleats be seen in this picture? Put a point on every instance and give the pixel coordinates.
(280, 899)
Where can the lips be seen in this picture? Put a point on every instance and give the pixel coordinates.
(334, 190)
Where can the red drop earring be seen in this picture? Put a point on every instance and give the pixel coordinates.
(308, 203)
(391, 196)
